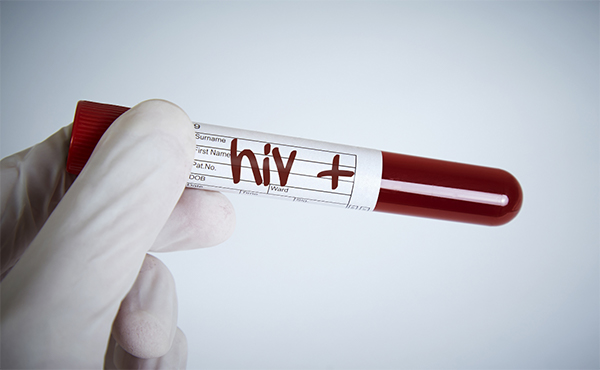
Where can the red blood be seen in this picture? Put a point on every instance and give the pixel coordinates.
(448, 190)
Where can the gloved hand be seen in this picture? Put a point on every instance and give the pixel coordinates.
(74, 263)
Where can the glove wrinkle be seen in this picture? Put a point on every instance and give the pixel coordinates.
(147, 319)
(33, 183)
(175, 359)
(202, 218)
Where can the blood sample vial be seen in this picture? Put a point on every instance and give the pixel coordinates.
(308, 171)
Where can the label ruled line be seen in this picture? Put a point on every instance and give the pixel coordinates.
(217, 153)
(264, 142)
(196, 185)
(268, 186)
(352, 189)
(275, 171)
(283, 157)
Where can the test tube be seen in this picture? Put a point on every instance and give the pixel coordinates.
(308, 171)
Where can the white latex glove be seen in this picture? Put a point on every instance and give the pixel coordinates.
(70, 259)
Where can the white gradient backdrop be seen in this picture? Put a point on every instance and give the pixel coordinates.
(505, 84)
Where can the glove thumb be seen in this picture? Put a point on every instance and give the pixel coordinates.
(69, 283)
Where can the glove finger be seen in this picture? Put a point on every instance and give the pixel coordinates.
(202, 218)
(176, 358)
(33, 181)
(109, 363)
(147, 320)
(86, 257)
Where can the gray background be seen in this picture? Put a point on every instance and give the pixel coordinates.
(504, 84)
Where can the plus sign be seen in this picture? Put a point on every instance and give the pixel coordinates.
(335, 172)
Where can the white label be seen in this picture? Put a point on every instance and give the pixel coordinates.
(300, 170)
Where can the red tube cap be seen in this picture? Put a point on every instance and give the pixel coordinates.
(90, 122)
